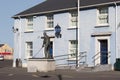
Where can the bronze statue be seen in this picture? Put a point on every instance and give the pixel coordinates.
(46, 45)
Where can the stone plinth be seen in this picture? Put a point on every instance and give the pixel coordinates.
(40, 65)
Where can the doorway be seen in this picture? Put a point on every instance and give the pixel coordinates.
(51, 49)
(103, 51)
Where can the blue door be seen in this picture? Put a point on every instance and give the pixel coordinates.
(103, 51)
(51, 49)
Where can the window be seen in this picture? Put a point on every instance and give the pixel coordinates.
(72, 49)
(29, 24)
(73, 19)
(103, 16)
(49, 21)
(29, 49)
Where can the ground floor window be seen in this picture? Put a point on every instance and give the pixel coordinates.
(29, 49)
(72, 49)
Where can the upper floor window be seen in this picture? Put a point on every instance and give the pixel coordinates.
(72, 49)
(29, 26)
(103, 16)
(29, 49)
(73, 19)
(50, 21)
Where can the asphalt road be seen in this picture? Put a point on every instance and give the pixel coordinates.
(7, 72)
(6, 63)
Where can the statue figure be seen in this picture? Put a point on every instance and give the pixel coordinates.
(46, 45)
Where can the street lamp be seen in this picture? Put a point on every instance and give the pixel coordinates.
(57, 31)
(77, 35)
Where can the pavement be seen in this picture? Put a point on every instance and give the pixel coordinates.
(10, 73)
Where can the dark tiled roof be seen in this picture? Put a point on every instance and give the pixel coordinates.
(60, 5)
(1, 45)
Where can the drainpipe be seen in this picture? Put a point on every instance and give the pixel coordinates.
(14, 56)
(19, 42)
(116, 30)
(16, 40)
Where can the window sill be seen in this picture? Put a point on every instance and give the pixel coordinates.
(71, 28)
(49, 29)
(28, 32)
(103, 25)
(72, 59)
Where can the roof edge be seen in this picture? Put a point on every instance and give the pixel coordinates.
(45, 12)
(82, 7)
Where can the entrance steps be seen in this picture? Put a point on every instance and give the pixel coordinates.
(106, 67)
(66, 67)
(86, 68)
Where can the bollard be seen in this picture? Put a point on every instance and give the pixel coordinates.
(17, 62)
(59, 77)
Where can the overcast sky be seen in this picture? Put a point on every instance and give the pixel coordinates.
(8, 8)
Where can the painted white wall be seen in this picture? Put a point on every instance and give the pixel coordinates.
(88, 23)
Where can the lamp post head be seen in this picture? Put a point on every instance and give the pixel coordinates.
(57, 31)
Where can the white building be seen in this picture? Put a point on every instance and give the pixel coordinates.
(96, 35)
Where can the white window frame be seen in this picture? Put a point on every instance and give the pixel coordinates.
(29, 49)
(29, 26)
(50, 22)
(102, 16)
(72, 49)
(73, 19)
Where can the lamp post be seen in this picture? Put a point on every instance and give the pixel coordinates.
(77, 35)
(57, 31)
